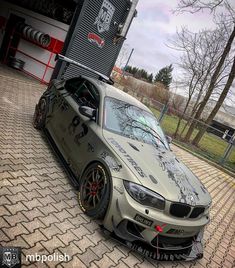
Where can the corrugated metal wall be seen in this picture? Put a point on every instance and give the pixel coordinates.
(103, 58)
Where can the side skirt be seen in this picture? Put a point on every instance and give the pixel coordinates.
(72, 176)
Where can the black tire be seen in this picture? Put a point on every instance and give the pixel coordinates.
(94, 191)
(40, 114)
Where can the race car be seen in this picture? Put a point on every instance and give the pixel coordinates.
(126, 173)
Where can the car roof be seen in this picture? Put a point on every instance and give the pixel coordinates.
(113, 92)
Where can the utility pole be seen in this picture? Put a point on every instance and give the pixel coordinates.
(124, 69)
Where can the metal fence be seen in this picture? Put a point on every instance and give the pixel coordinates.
(215, 145)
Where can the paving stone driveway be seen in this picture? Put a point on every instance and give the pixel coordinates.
(38, 206)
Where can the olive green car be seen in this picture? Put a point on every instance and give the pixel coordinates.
(127, 175)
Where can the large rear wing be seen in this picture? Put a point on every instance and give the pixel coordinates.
(102, 77)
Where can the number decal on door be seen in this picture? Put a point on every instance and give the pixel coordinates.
(72, 126)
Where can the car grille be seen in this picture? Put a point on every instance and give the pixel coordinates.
(196, 212)
(179, 210)
(183, 210)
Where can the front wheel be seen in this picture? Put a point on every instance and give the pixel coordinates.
(40, 113)
(94, 191)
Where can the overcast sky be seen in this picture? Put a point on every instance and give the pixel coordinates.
(154, 26)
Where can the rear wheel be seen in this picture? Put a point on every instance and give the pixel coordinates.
(40, 113)
(94, 191)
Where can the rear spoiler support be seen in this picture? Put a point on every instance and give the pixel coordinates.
(102, 77)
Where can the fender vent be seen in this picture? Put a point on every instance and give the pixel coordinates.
(133, 146)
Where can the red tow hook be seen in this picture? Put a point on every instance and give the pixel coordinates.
(160, 228)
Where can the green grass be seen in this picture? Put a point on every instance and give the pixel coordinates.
(210, 146)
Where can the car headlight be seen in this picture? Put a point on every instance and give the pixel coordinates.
(144, 196)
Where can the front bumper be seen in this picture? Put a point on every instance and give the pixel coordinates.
(186, 252)
(153, 233)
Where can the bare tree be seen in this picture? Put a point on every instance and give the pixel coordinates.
(228, 18)
(218, 104)
(200, 53)
(194, 6)
(177, 102)
(212, 84)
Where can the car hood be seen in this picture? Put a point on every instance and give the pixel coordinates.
(159, 170)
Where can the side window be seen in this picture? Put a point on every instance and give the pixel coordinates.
(83, 92)
(71, 85)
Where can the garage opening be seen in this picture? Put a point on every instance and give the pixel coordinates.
(86, 31)
(32, 32)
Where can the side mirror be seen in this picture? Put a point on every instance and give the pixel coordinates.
(169, 139)
(87, 111)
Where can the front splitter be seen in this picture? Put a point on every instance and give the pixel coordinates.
(194, 252)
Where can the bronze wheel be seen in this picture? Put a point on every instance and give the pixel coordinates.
(94, 191)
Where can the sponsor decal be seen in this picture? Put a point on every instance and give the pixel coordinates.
(143, 220)
(72, 126)
(128, 157)
(10, 257)
(64, 106)
(187, 193)
(110, 161)
(96, 39)
(179, 232)
(175, 231)
(90, 148)
(119, 189)
(105, 16)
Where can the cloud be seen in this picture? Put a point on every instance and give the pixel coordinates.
(154, 26)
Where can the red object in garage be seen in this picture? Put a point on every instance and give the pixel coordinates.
(54, 47)
(89, 32)
(24, 34)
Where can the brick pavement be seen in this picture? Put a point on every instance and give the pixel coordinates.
(39, 210)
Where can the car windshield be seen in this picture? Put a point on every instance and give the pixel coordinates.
(130, 121)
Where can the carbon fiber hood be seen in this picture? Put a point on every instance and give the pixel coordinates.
(159, 170)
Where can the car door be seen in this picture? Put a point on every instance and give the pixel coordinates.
(56, 122)
(77, 127)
